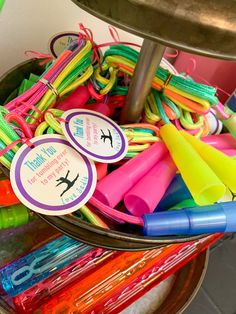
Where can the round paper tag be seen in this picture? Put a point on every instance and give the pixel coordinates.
(94, 135)
(59, 42)
(52, 178)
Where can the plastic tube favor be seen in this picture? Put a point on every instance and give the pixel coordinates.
(101, 170)
(111, 189)
(77, 99)
(204, 185)
(222, 165)
(100, 107)
(146, 194)
(185, 203)
(13, 216)
(7, 195)
(198, 220)
(220, 141)
(176, 193)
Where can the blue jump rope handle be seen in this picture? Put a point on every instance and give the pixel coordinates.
(176, 193)
(198, 220)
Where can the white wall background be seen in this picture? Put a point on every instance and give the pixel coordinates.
(29, 24)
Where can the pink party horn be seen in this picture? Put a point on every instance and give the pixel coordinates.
(77, 99)
(147, 192)
(111, 189)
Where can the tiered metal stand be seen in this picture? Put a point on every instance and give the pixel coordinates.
(199, 26)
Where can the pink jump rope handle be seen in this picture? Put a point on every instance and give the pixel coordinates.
(111, 189)
(147, 193)
(101, 170)
(76, 100)
(229, 152)
(101, 108)
(221, 141)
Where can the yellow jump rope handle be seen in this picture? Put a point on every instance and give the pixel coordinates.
(204, 185)
(222, 165)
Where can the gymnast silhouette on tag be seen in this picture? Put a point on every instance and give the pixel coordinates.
(109, 137)
(233, 195)
(67, 181)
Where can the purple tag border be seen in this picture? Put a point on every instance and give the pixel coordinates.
(58, 36)
(41, 205)
(117, 155)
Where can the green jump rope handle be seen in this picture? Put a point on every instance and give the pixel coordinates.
(13, 216)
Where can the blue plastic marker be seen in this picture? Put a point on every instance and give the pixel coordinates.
(26, 271)
(176, 193)
(220, 217)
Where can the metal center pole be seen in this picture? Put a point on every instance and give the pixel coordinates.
(149, 59)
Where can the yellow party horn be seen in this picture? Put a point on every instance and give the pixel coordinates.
(204, 185)
(222, 165)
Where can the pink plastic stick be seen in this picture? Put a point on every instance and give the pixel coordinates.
(76, 100)
(111, 189)
(147, 193)
(221, 141)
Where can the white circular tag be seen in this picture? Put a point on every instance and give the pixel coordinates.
(94, 135)
(52, 178)
(215, 125)
(59, 42)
